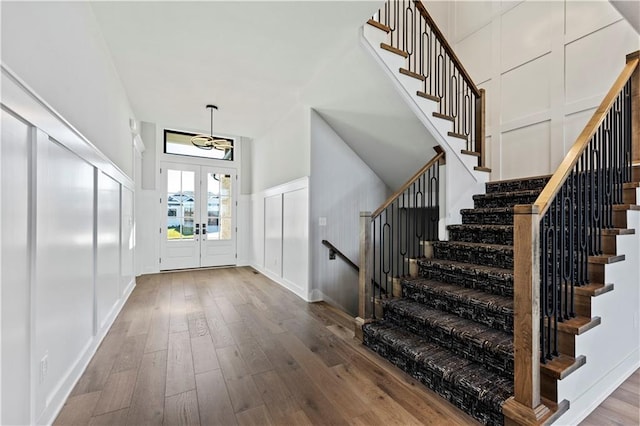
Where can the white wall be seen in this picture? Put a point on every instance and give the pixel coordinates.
(65, 285)
(545, 66)
(280, 235)
(58, 50)
(612, 348)
(341, 186)
(281, 154)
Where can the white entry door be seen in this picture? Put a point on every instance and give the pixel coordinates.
(199, 211)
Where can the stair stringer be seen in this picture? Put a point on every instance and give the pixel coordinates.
(612, 349)
(461, 180)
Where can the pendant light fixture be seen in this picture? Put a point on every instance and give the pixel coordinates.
(209, 142)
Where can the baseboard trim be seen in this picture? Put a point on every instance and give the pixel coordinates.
(57, 398)
(292, 287)
(621, 372)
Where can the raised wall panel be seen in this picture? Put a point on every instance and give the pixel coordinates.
(525, 90)
(588, 74)
(273, 234)
(526, 33)
(583, 17)
(474, 51)
(64, 271)
(15, 292)
(295, 237)
(107, 246)
(127, 240)
(573, 126)
(470, 17)
(531, 143)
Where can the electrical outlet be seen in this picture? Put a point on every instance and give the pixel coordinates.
(44, 366)
(322, 221)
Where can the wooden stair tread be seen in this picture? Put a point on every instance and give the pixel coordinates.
(618, 231)
(443, 116)
(578, 325)
(410, 73)
(606, 259)
(593, 289)
(561, 366)
(457, 135)
(467, 152)
(625, 207)
(395, 50)
(557, 410)
(631, 185)
(427, 96)
(379, 26)
(482, 169)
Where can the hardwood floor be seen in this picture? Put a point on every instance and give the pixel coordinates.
(622, 407)
(229, 346)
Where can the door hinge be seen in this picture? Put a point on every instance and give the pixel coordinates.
(160, 200)
(160, 230)
(160, 170)
(236, 229)
(236, 255)
(159, 260)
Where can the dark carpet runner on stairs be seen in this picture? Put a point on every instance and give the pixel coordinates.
(452, 328)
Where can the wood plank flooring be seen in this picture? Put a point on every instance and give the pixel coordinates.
(230, 347)
(622, 407)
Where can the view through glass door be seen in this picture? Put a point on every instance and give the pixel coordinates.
(198, 207)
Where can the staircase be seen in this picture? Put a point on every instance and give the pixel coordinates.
(452, 329)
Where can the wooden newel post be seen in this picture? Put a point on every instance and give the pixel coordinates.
(525, 407)
(635, 109)
(365, 305)
(480, 127)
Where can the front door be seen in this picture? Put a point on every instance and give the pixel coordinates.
(198, 206)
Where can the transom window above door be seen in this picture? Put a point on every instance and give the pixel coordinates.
(179, 143)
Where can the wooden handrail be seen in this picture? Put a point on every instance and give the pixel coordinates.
(439, 155)
(447, 47)
(526, 406)
(340, 254)
(543, 202)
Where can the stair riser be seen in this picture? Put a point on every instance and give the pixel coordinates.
(502, 286)
(502, 321)
(500, 362)
(630, 196)
(519, 185)
(479, 256)
(450, 391)
(485, 236)
(502, 218)
(487, 202)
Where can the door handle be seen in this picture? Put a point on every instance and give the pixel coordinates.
(197, 231)
(204, 228)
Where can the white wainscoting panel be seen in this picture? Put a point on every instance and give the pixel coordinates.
(522, 158)
(107, 247)
(526, 33)
(295, 238)
(64, 267)
(273, 234)
(280, 235)
(15, 270)
(64, 245)
(539, 61)
(521, 99)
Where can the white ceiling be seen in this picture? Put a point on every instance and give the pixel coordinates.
(257, 59)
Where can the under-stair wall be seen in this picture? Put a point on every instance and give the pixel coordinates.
(612, 349)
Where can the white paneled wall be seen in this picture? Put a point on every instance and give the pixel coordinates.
(280, 235)
(342, 186)
(545, 65)
(67, 254)
(14, 270)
